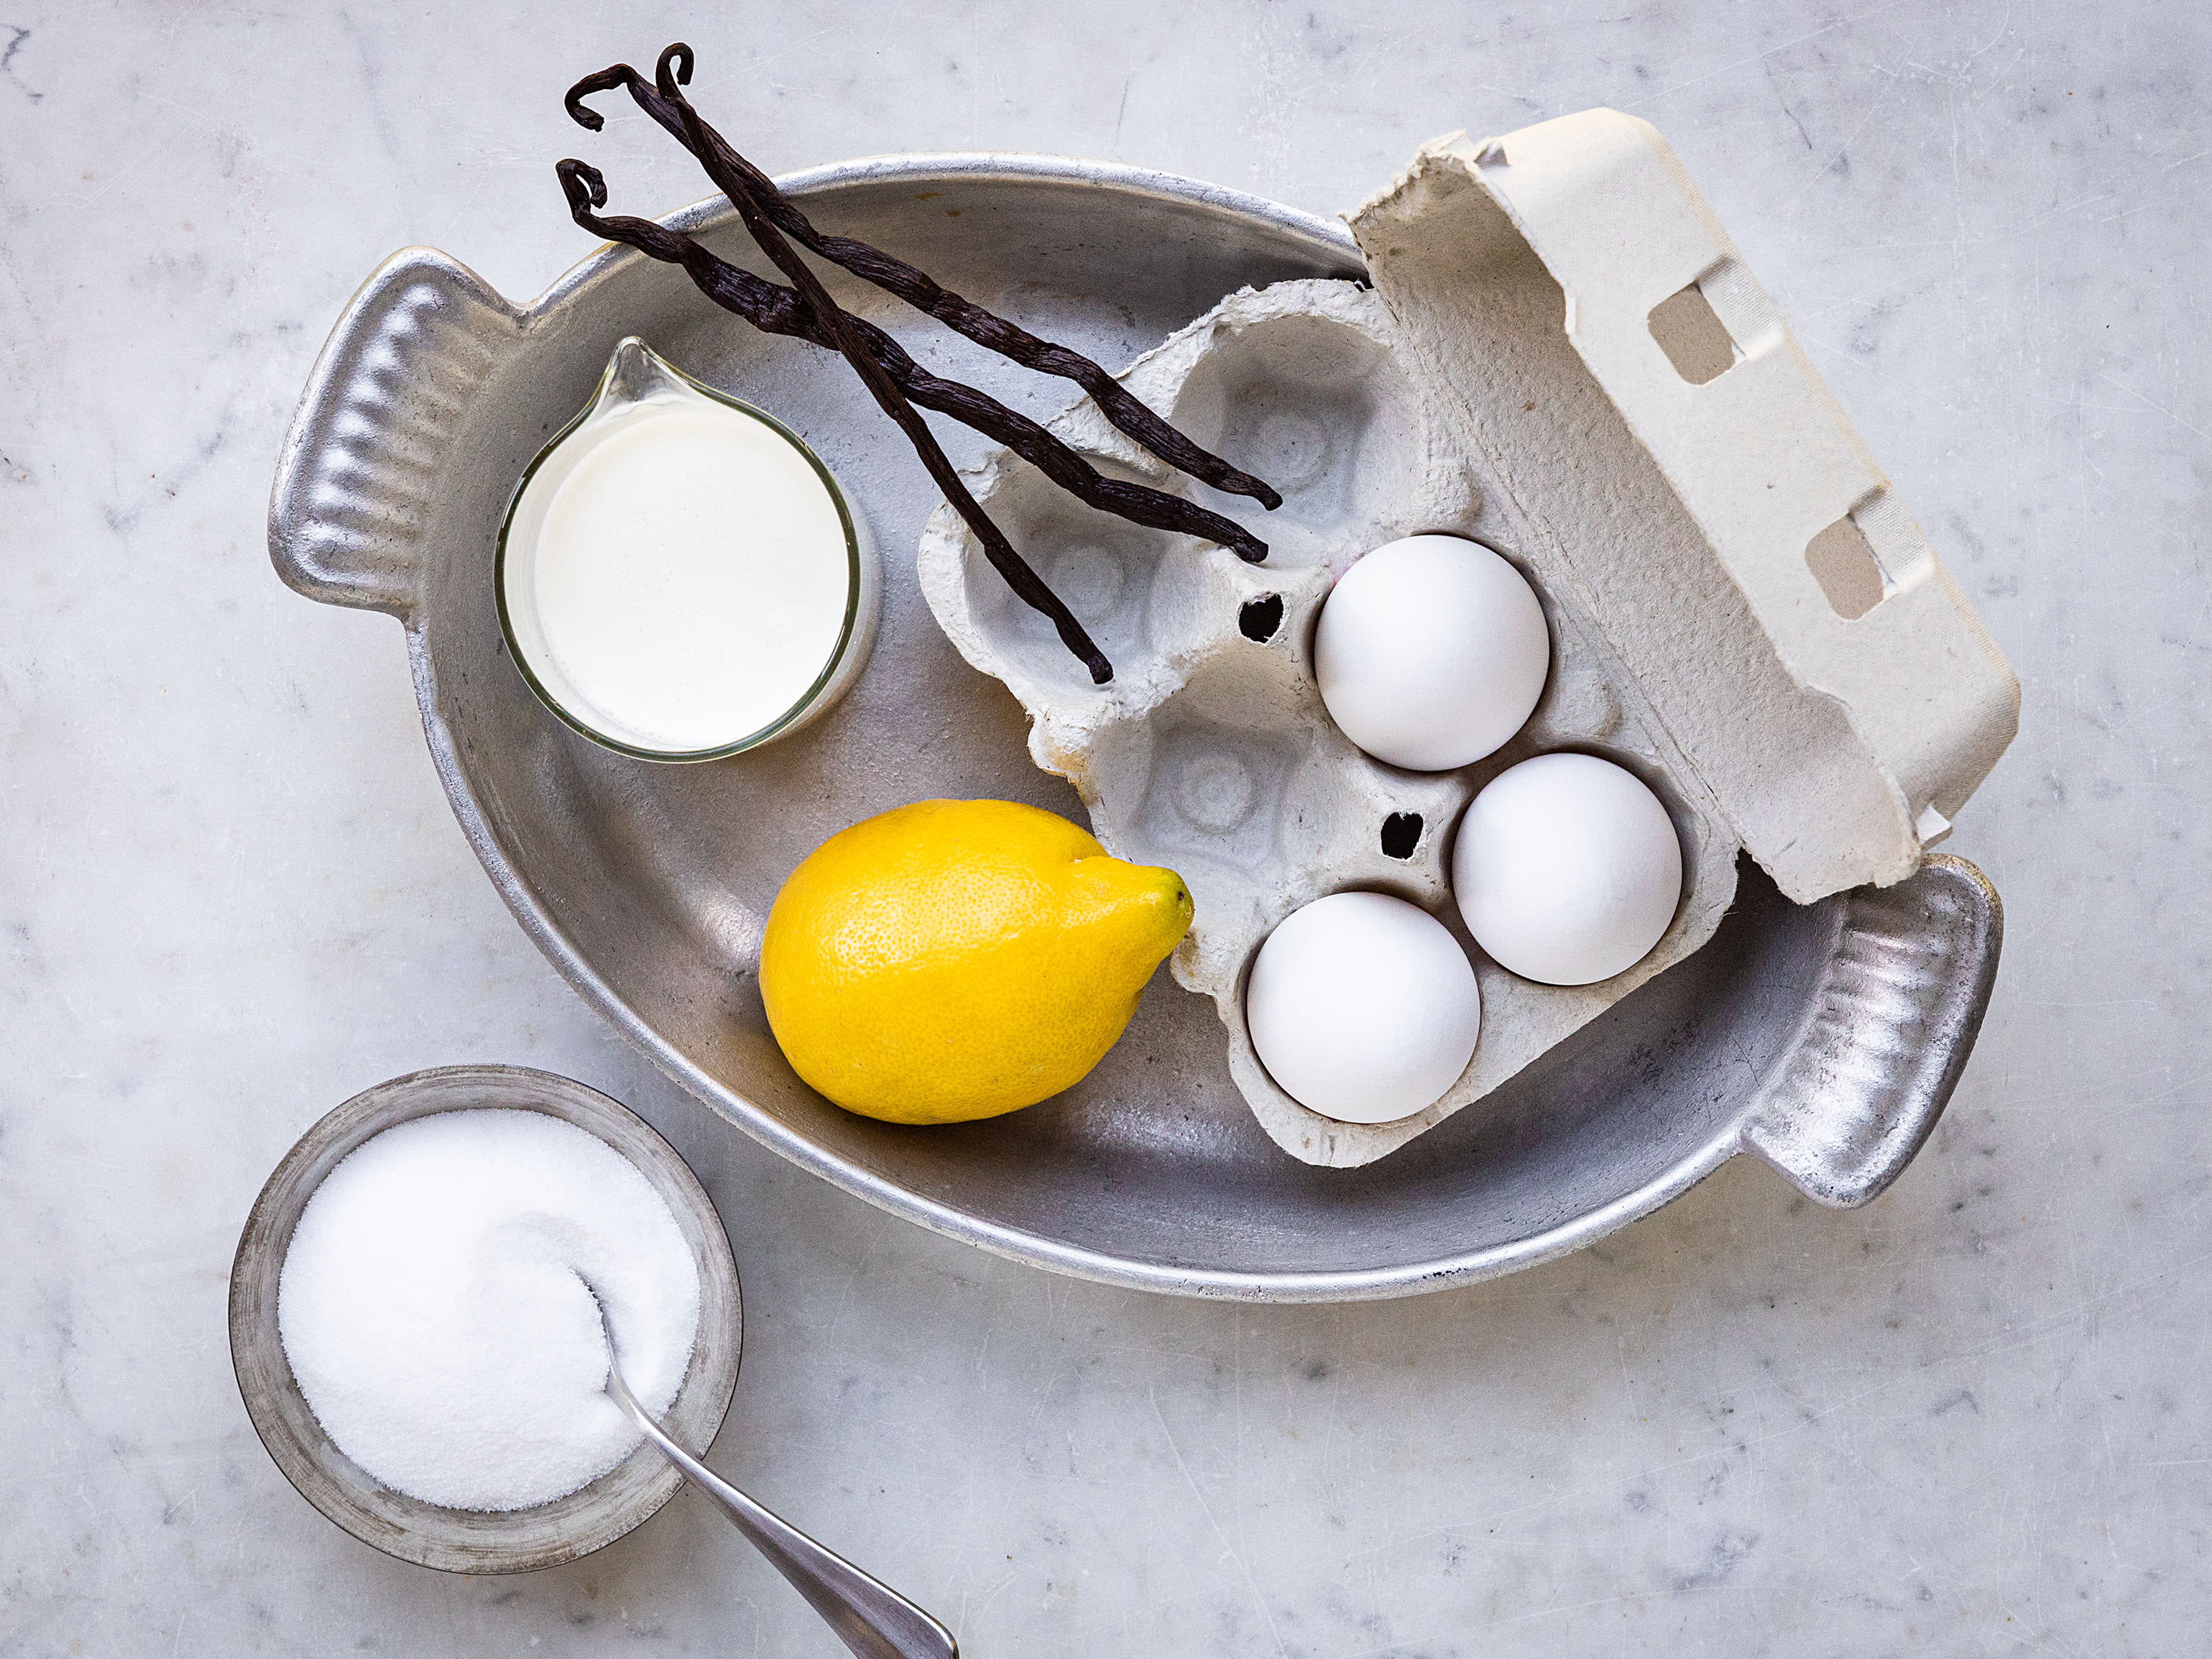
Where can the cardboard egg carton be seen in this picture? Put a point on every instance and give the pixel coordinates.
(1562, 358)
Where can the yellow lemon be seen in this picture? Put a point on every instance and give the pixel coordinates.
(956, 959)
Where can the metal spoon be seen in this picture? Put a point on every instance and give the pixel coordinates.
(873, 1619)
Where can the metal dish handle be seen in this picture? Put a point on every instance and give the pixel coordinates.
(359, 472)
(1900, 1001)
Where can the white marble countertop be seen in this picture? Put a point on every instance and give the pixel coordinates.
(1969, 1419)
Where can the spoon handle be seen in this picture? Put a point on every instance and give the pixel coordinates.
(872, 1619)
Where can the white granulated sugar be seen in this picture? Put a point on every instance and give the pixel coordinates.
(431, 1310)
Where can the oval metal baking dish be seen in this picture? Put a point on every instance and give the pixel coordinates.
(1827, 1039)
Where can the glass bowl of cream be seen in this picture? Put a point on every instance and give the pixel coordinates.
(416, 1253)
(679, 577)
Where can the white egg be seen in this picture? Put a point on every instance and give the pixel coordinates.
(1432, 652)
(1567, 869)
(1363, 1007)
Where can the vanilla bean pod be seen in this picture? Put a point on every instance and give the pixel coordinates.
(778, 310)
(871, 264)
(1034, 443)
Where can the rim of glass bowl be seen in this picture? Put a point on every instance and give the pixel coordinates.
(790, 716)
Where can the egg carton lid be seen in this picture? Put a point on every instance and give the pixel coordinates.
(1582, 323)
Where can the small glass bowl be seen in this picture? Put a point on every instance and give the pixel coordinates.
(634, 372)
(430, 1535)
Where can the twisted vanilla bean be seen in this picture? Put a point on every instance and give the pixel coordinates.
(807, 312)
(903, 281)
(1034, 443)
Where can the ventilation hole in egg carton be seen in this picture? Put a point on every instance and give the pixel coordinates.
(1843, 561)
(1696, 341)
(1260, 620)
(1401, 835)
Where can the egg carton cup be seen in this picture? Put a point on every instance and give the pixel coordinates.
(1563, 358)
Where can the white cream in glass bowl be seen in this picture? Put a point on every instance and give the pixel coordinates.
(679, 578)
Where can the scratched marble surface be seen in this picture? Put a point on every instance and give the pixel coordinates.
(1972, 1420)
